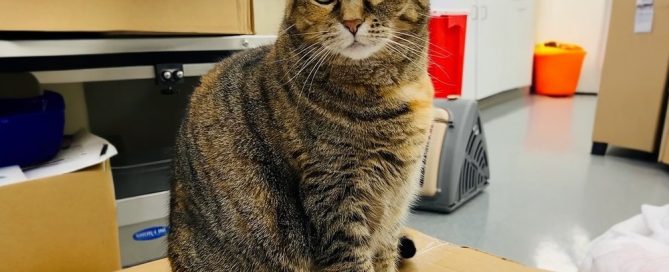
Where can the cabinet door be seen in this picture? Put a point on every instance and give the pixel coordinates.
(521, 49)
(505, 46)
(469, 69)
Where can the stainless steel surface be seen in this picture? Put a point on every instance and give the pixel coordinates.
(75, 47)
(135, 252)
(136, 215)
(69, 47)
(548, 197)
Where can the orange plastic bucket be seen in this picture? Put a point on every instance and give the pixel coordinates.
(557, 68)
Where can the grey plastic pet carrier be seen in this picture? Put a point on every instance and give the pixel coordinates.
(456, 163)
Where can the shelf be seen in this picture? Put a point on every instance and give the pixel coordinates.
(88, 60)
(115, 73)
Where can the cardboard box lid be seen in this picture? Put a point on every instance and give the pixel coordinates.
(166, 16)
(433, 256)
(61, 223)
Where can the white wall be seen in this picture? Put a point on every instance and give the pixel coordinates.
(584, 22)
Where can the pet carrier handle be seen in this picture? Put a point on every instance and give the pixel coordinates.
(430, 185)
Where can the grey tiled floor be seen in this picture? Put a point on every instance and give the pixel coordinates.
(548, 197)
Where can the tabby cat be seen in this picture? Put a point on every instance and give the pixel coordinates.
(305, 155)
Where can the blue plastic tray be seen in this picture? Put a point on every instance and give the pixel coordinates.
(31, 130)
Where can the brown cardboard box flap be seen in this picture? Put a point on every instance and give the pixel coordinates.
(61, 223)
(433, 256)
(166, 16)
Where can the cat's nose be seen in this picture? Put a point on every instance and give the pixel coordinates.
(352, 25)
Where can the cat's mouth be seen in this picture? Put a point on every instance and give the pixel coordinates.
(356, 45)
(358, 50)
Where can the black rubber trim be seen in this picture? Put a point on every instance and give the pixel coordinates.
(599, 149)
(74, 35)
(51, 63)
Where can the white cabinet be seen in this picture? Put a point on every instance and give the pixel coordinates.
(499, 44)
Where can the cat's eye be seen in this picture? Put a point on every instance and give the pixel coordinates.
(325, 2)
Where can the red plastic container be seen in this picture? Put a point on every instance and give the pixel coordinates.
(447, 52)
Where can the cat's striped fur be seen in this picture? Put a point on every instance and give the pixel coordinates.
(287, 161)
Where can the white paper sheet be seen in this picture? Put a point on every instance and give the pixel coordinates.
(10, 175)
(645, 10)
(85, 150)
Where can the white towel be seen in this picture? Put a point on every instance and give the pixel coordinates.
(640, 244)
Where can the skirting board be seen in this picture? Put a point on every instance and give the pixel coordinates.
(503, 97)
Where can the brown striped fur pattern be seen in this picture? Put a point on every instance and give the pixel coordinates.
(305, 155)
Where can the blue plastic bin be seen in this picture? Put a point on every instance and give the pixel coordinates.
(31, 129)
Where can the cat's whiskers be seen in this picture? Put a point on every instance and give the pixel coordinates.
(319, 58)
(302, 64)
(434, 46)
(419, 47)
(286, 30)
(317, 66)
(296, 53)
(419, 54)
(413, 49)
(304, 54)
(399, 51)
(430, 61)
(309, 33)
(299, 64)
(391, 47)
(306, 64)
(327, 58)
(300, 50)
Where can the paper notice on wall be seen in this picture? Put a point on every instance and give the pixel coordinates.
(645, 10)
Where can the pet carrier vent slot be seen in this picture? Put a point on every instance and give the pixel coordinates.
(474, 169)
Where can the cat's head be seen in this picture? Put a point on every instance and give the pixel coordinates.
(359, 29)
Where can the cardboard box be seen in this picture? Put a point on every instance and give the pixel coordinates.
(632, 95)
(61, 223)
(167, 16)
(433, 256)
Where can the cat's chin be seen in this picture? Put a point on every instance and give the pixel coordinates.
(359, 51)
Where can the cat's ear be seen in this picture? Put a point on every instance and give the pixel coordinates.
(289, 8)
(423, 4)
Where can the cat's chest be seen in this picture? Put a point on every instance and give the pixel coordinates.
(415, 111)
